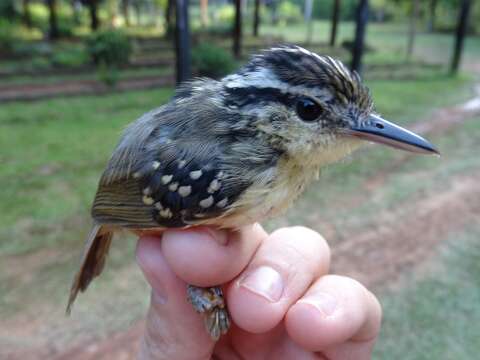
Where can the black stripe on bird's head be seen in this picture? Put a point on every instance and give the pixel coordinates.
(308, 103)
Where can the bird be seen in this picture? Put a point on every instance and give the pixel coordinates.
(234, 151)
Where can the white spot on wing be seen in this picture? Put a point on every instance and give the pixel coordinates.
(194, 175)
(222, 203)
(214, 186)
(166, 179)
(184, 191)
(181, 164)
(147, 200)
(165, 213)
(206, 203)
(173, 186)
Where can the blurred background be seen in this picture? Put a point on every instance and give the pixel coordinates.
(73, 73)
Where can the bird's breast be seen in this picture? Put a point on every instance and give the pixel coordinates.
(272, 192)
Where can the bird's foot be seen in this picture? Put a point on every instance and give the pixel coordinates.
(210, 303)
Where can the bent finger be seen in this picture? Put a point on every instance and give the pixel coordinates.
(204, 256)
(334, 311)
(283, 268)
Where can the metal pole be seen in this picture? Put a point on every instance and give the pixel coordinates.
(460, 35)
(182, 41)
(358, 44)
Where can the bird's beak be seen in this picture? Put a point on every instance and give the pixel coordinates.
(381, 131)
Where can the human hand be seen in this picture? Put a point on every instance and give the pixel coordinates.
(282, 303)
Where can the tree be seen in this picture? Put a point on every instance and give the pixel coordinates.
(361, 19)
(93, 10)
(182, 41)
(204, 12)
(432, 10)
(237, 30)
(126, 11)
(412, 29)
(53, 32)
(256, 18)
(335, 17)
(308, 19)
(26, 17)
(460, 35)
(169, 17)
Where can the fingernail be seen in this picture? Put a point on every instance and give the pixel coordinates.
(322, 301)
(264, 281)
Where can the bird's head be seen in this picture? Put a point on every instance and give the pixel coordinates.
(311, 107)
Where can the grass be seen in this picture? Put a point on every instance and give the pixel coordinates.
(388, 40)
(55, 149)
(436, 316)
(91, 75)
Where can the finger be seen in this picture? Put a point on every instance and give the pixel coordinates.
(203, 256)
(173, 329)
(283, 268)
(335, 309)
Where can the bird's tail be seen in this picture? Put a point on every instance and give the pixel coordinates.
(93, 260)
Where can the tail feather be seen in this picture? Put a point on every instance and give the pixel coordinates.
(93, 261)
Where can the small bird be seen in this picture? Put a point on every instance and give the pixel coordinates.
(233, 152)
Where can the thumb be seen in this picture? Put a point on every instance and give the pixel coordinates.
(173, 329)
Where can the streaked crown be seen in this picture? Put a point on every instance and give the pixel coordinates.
(296, 70)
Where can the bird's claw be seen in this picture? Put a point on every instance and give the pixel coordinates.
(210, 303)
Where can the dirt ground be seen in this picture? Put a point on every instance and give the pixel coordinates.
(402, 239)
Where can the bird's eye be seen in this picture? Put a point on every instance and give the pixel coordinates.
(307, 109)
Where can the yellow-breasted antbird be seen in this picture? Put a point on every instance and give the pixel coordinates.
(233, 152)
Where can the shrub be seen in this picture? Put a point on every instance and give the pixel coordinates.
(7, 40)
(225, 14)
(73, 57)
(110, 48)
(108, 75)
(289, 12)
(39, 63)
(212, 61)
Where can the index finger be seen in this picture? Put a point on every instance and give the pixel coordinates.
(204, 256)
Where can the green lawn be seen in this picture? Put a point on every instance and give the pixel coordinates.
(388, 40)
(437, 316)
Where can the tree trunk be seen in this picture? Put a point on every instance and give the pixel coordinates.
(94, 21)
(169, 17)
(432, 9)
(237, 31)
(76, 10)
(413, 28)
(204, 12)
(182, 41)
(361, 19)
(308, 20)
(126, 11)
(460, 35)
(256, 18)
(335, 17)
(136, 7)
(53, 32)
(27, 18)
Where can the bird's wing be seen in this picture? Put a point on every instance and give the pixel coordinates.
(156, 181)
